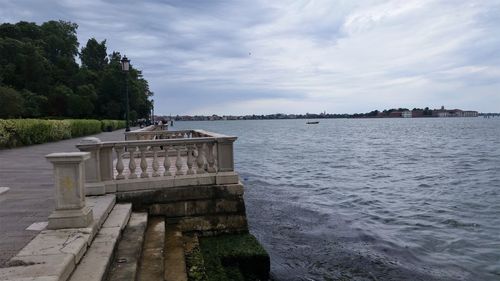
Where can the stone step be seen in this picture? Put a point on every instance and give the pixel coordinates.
(54, 254)
(175, 262)
(151, 268)
(128, 253)
(95, 263)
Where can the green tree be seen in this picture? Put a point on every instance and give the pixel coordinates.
(12, 103)
(58, 101)
(61, 47)
(37, 65)
(93, 55)
(34, 104)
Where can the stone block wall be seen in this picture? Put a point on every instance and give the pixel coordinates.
(208, 209)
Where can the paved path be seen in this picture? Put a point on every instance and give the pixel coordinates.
(30, 198)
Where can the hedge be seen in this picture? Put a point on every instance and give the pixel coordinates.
(111, 125)
(19, 132)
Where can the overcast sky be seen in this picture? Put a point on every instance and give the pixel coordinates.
(260, 56)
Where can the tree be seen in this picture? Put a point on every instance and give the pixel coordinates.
(34, 104)
(93, 55)
(12, 103)
(38, 71)
(58, 101)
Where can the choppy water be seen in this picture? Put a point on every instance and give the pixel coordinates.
(377, 199)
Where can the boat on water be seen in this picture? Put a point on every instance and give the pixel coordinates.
(312, 122)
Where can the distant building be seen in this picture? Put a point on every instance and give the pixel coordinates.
(442, 112)
(406, 114)
(469, 113)
(417, 113)
(395, 114)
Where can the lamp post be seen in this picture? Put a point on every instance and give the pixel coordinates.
(152, 111)
(125, 68)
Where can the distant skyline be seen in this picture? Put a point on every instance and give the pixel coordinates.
(263, 57)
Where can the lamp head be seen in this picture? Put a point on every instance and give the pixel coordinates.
(125, 64)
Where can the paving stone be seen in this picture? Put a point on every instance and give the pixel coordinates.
(3, 189)
(101, 206)
(175, 262)
(129, 249)
(74, 242)
(30, 178)
(38, 226)
(119, 216)
(42, 267)
(52, 242)
(97, 259)
(152, 253)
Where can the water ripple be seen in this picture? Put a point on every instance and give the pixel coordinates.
(372, 199)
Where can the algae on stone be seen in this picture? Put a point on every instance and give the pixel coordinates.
(237, 257)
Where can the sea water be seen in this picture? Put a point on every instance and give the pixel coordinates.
(372, 199)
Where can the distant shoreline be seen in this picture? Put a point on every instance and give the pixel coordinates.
(315, 118)
(391, 113)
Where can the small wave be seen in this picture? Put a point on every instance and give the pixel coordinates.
(455, 223)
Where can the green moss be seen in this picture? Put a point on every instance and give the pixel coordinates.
(195, 265)
(237, 257)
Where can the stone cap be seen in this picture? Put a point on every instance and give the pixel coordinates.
(90, 140)
(68, 156)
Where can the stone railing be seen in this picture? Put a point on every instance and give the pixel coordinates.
(162, 134)
(159, 159)
(146, 132)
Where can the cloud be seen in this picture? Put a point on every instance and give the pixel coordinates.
(296, 56)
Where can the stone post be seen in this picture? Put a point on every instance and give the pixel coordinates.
(93, 180)
(69, 181)
(225, 161)
(106, 163)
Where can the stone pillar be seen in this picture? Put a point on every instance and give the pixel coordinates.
(225, 161)
(69, 181)
(93, 180)
(106, 163)
(92, 166)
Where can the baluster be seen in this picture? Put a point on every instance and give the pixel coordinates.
(216, 156)
(190, 159)
(211, 158)
(166, 163)
(131, 163)
(178, 162)
(201, 159)
(119, 163)
(144, 163)
(155, 164)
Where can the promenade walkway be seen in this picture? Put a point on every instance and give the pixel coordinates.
(30, 198)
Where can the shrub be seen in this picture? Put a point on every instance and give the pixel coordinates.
(6, 132)
(19, 132)
(111, 125)
(83, 127)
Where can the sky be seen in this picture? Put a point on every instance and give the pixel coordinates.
(305, 56)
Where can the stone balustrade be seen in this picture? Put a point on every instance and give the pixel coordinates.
(159, 159)
(162, 134)
(146, 133)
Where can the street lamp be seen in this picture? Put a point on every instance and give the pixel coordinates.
(125, 68)
(152, 111)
